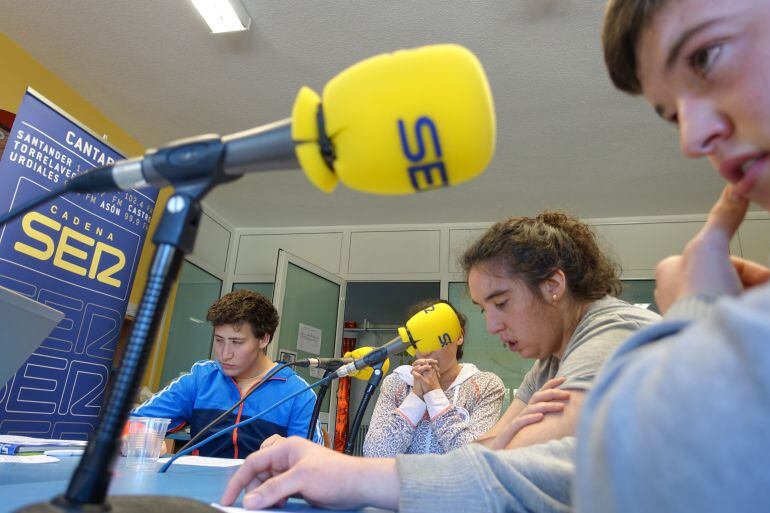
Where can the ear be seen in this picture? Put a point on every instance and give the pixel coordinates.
(264, 341)
(554, 287)
(461, 340)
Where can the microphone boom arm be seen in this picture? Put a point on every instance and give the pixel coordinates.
(174, 237)
(374, 380)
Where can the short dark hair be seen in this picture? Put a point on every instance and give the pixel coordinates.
(624, 22)
(533, 248)
(427, 303)
(245, 307)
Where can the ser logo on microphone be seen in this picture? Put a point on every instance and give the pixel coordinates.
(427, 170)
(444, 339)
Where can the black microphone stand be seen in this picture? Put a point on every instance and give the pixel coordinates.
(374, 380)
(317, 408)
(175, 237)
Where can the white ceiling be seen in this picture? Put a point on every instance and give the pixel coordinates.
(566, 138)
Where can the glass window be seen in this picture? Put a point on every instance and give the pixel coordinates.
(189, 336)
(266, 289)
(314, 301)
(640, 292)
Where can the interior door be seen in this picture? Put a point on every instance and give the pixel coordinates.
(311, 304)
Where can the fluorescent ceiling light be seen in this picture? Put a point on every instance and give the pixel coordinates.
(223, 15)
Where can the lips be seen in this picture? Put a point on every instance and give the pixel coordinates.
(751, 173)
(736, 169)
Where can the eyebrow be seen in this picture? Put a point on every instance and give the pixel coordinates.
(676, 49)
(496, 293)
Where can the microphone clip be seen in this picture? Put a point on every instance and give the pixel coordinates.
(324, 141)
(412, 343)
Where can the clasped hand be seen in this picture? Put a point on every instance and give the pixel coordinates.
(426, 376)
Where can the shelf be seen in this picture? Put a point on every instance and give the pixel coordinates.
(370, 327)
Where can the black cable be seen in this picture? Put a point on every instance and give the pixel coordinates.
(49, 195)
(317, 408)
(246, 422)
(272, 372)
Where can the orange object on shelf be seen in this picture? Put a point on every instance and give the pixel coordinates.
(343, 397)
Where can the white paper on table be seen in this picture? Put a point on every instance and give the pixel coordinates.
(28, 440)
(38, 458)
(309, 339)
(231, 509)
(203, 461)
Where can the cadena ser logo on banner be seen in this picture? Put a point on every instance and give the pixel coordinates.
(77, 254)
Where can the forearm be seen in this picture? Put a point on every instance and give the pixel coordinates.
(391, 429)
(488, 438)
(473, 479)
(388, 436)
(378, 483)
(554, 426)
(454, 430)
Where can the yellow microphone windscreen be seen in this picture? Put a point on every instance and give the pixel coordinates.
(399, 123)
(431, 329)
(365, 373)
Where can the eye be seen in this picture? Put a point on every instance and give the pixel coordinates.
(703, 59)
(501, 304)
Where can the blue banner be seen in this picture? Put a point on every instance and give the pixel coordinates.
(77, 254)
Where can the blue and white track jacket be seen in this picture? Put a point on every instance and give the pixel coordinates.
(206, 392)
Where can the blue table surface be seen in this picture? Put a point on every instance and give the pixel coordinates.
(22, 483)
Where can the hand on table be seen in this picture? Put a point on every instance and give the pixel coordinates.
(324, 478)
(272, 440)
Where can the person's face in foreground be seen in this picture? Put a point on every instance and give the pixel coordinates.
(705, 65)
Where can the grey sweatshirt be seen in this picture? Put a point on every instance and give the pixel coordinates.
(679, 419)
(474, 479)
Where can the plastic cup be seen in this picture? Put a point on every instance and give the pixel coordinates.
(145, 437)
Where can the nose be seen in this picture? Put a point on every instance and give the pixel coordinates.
(494, 323)
(227, 353)
(701, 127)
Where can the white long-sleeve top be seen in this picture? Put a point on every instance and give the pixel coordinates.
(402, 423)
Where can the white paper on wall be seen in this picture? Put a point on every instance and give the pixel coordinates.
(316, 372)
(309, 339)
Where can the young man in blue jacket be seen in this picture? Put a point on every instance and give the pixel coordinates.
(244, 323)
